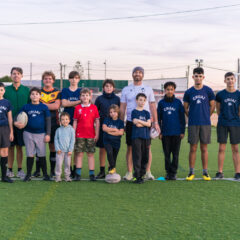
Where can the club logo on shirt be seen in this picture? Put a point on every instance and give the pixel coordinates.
(0, 111)
(142, 118)
(169, 110)
(3, 108)
(143, 89)
(73, 99)
(34, 113)
(198, 99)
(230, 101)
(80, 111)
(112, 126)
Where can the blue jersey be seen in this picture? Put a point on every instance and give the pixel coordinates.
(5, 107)
(229, 108)
(171, 117)
(37, 114)
(103, 103)
(199, 105)
(140, 132)
(70, 96)
(114, 141)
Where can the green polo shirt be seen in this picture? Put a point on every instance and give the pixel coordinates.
(17, 97)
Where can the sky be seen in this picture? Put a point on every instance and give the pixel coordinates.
(164, 45)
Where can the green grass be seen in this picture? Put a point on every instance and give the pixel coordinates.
(154, 210)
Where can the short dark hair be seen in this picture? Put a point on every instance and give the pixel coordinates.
(141, 95)
(229, 74)
(18, 69)
(73, 74)
(35, 89)
(65, 114)
(108, 81)
(48, 73)
(2, 85)
(167, 84)
(198, 70)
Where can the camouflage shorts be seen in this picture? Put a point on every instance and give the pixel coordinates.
(85, 145)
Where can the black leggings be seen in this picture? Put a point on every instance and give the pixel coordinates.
(111, 155)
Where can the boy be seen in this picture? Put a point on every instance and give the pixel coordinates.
(70, 97)
(17, 95)
(228, 102)
(50, 96)
(199, 104)
(171, 119)
(6, 132)
(140, 138)
(64, 143)
(85, 117)
(36, 133)
(103, 103)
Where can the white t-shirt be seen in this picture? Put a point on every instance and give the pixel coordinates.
(129, 94)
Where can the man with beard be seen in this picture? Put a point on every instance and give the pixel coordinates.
(128, 101)
(199, 104)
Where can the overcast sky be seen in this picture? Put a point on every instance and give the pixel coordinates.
(168, 43)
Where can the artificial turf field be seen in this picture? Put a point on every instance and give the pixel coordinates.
(153, 210)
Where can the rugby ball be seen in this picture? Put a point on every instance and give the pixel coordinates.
(113, 178)
(22, 117)
(154, 133)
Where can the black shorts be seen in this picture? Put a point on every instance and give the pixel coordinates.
(4, 137)
(18, 137)
(53, 131)
(234, 133)
(128, 131)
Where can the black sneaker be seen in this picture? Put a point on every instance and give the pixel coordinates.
(138, 180)
(46, 178)
(77, 177)
(27, 178)
(101, 175)
(7, 179)
(36, 174)
(219, 175)
(237, 176)
(167, 177)
(173, 177)
(92, 178)
(72, 176)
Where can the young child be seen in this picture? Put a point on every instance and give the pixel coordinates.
(228, 103)
(36, 133)
(113, 129)
(6, 132)
(140, 138)
(85, 116)
(64, 144)
(103, 103)
(171, 119)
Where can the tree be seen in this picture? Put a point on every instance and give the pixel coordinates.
(5, 79)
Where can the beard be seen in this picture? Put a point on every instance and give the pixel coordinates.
(137, 79)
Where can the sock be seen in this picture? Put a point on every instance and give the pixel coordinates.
(205, 171)
(91, 172)
(102, 169)
(10, 169)
(78, 171)
(52, 161)
(43, 165)
(19, 169)
(38, 166)
(192, 170)
(4, 161)
(30, 161)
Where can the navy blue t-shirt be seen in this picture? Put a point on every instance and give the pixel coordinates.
(114, 141)
(199, 105)
(171, 117)
(229, 108)
(140, 132)
(70, 96)
(5, 107)
(36, 117)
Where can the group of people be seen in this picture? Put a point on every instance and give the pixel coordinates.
(82, 126)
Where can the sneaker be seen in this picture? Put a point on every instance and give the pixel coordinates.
(10, 173)
(112, 171)
(148, 176)
(36, 174)
(138, 180)
(92, 178)
(27, 178)
(67, 179)
(206, 177)
(190, 177)
(7, 179)
(237, 176)
(21, 174)
(101, 175)
(128, 176)
(52, 175)
(219, 175)
(46, 178)
(77, 177)
(58, 179)
(167, 177)
(173, 177)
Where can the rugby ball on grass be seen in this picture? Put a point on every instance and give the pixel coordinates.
(113, 178)
(154, 133)
(22, 117)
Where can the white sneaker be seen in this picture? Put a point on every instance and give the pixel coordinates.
(68, 179)
(10, 173)
(128, 176)
(58, 179)
(21, 174)
(148, 176)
